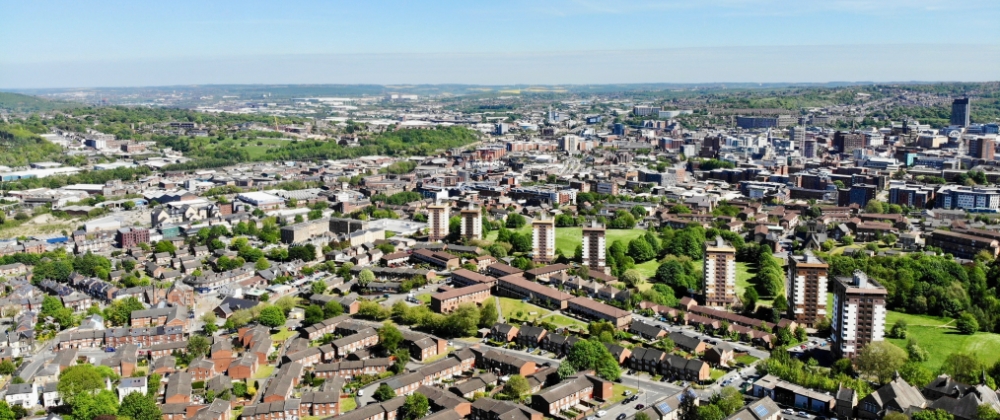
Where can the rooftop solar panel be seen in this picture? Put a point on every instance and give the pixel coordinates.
(761, 410)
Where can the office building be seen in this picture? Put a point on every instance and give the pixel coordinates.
(594, 248)
(858, 314)
(645, 110)
(968, 198)
(807, 278)
(808, 148)
(765, 122)
(570, 144)
(472, 223)
(437, 222)
(618, 129)
(848, 142)
(719, 273)
(960, 110)
(543, 239)
(982, 147)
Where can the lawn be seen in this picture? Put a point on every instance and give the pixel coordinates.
(283, 335)
(264, 372)
(743, 276)
(348, 404)
(564, 321)
(424, 297)
(746, 359)
(716, 374)
(510, 307)
(567, 238)
(648, 269)
(618, 392)
(939, 339)
(492, 236)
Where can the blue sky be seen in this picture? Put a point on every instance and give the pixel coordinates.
(128, 43)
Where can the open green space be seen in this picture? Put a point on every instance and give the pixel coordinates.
(567, 238)
(564, 321)
(716, 374)
(743, 276)
(492, 236)
(348, 404)
(648, 268)
(509, 308)
(746, 359)
(940, 339)
(424, 297)
(618, 392)
(283, 335)
(264, 372)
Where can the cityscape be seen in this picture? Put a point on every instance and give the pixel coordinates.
(469, 248)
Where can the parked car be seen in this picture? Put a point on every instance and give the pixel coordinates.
(602, 413)
(621, 416)
(627, 393)
(788, 411)
(803, 414)
(639, 406)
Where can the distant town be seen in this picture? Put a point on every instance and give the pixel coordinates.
(501, 253)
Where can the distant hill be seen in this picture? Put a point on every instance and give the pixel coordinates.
(16, 102)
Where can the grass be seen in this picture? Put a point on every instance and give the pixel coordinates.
(439, 356)
(283, 335)
(567, 238)
(348, 404)
(510, 307)
(746, 359)
(424, 297)
(940, 339)
(565, 321)
(618, 392)
(648, 269)
(743, 276)
(492, 236)
(716, 374)
(264, 372)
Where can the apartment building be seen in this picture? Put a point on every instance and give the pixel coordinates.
(472, 224)
(594, 248)
(350, 368)
(437, 258)
(858, 314)
(543, 240)
(719, 273)
(437, 222)
(596, 310)
(963, 244)
(464, 278)
(517, 287)
(807, 285)
(445, 302)
(363, 339)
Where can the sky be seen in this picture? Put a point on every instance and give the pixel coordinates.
(62, 44)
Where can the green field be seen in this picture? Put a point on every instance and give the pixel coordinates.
(283, 335)
(510, 307)
(567, 238)
(348, 404)
(743, 276)
(492, 236)
(264, 372)
(939, 338)
(424, 297)
(564, 321)
(648, 268)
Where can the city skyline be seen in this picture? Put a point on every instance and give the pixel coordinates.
(574, 42)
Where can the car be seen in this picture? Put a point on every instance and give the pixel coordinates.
(602, 413)
(361, 392)
(591, 418)
(803, 414)
(788, 411)
(109, 350)
(386, 295)
(627, 393)
(639, 406)
(621, 416)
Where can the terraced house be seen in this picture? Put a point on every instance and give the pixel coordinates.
(569, 393)
(363, 339)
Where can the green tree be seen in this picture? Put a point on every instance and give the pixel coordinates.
(640, 250)
(874, 206)
(710, 412)
(565, 370)
(936, 414)
(198, 345)
(641, 416)
(7, 367)
(898, 329)
(967, 324)
(332, 309)
(262, 264)
(416, 407)
(365, 277)
(165, 246)
(138, 406)
(389, 336)
(488, 314)
(516, 387)
(78, 380)
(632, 278)
(153, 384)
(272, 316)
(963, 367)
(384, 393)
(402, 356)
(88, 406)
(314, 314)
(880, 360)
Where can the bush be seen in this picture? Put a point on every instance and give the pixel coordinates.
(198, 385)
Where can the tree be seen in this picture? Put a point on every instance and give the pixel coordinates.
(384, 393)
(710, 412)
(750, 298)
(800, 334)
(88, 406)
(198, 345)
(516, 387)
(967, 324)
(165, 246)
(416, 407)
(262, 264)
(895, 415)
(874, 206)
(916, 353)
(592, 354)
(153, 384)
(332, 309)
(488, 314)
(641, 416)
(365, 278)
(272, 316)
(963, 367)
(138, 406)
(881, 360)
(640, 250)
(79, 380)
(314, 314)
(985, 412)
(936, 414)
(915, 374)
(389, 337)
(631, 278)
(898, 329)
(7, 367)
(565, 370)
(402, 356)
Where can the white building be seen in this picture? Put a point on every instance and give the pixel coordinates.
(50, 395)
(130, 385)
(25, 395)
(858, 314)
(594, 247)
(543, 240)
